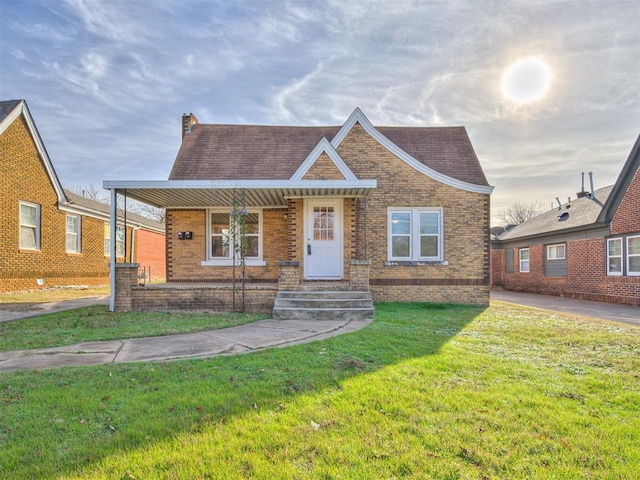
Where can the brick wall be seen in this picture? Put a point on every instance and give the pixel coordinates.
(184, 257)
(497, 267)
(323, 169)
(586, 277)
(466, 228)
(24, 178)
(627, 217)
(150, 253)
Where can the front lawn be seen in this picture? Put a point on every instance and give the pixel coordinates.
(425, 391)
(96, 323)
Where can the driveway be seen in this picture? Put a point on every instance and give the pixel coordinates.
(584, 308)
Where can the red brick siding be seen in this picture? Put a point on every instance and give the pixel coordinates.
(150, 252)
(586, 277)
(627, 217)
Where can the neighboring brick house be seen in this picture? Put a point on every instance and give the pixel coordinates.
(588, 248)
(411, 202)
(49, 236)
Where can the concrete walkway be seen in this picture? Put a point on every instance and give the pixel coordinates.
(228, 341)
(604, 311)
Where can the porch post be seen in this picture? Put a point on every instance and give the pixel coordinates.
(359, 275)
(288, 275)
(112, 249)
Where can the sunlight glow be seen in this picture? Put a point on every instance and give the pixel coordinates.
(526, 80)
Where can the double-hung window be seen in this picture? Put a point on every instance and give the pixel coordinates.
(242, 239)
(73, 234)
(633, 256)
(29, 226)
(119, 240)
(524, 260)
(614, 256)
(415, 234)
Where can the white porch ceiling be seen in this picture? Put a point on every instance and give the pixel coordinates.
(264, 193)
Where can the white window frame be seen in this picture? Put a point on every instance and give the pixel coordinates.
(629, 255)
(78, 234)
(522, 261)
(121, 235)
(36, 227)
(554, 249)
(415, 235)
(621, 256)
(212, 261)
(119, 243)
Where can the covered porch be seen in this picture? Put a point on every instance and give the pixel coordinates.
(240, 283)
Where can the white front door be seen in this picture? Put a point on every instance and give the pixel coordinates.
(323, 235)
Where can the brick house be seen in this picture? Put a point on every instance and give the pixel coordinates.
(400, 212)
(588, 248)
(52, 237)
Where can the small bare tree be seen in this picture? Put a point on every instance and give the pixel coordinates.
(91, 192)
(519, 212)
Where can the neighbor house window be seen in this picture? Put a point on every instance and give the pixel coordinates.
(524, 259)
(29, 226)
(614, 256)
(556, 252)
(227, 240)
(633, 256)
(415, 234)
(119, 240)
(73, 234)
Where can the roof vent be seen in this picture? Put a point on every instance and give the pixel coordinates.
(564, 217)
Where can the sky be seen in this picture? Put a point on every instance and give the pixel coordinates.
(107, 81)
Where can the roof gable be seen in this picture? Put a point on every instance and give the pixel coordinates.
(11, 110)
(324, 146)
(358, 117)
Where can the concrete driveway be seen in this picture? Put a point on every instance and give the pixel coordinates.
(604, 311)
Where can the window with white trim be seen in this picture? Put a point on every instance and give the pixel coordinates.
(73, 234)
(415, 234)
(633, 256)
(29, 226)
(524, 260)
(224, 240)
(119, 240)
(556, 252)
(614, 256)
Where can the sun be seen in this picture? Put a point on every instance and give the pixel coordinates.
(526, 80)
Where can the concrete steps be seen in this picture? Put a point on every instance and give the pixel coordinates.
(323, 305)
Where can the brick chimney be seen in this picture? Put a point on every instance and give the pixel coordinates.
(188, 121)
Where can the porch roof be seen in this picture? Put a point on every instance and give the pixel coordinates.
(220, 193)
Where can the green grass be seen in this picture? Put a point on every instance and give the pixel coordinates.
(97, 323)
(423, 392)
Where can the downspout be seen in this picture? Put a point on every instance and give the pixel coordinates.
(112, 249)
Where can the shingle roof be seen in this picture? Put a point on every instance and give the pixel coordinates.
(6, 107)
(257, 152)
(580, 212)
(79, 200)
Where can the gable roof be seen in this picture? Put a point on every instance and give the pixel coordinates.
(10, 110)
(260, 152)
(86, 206)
